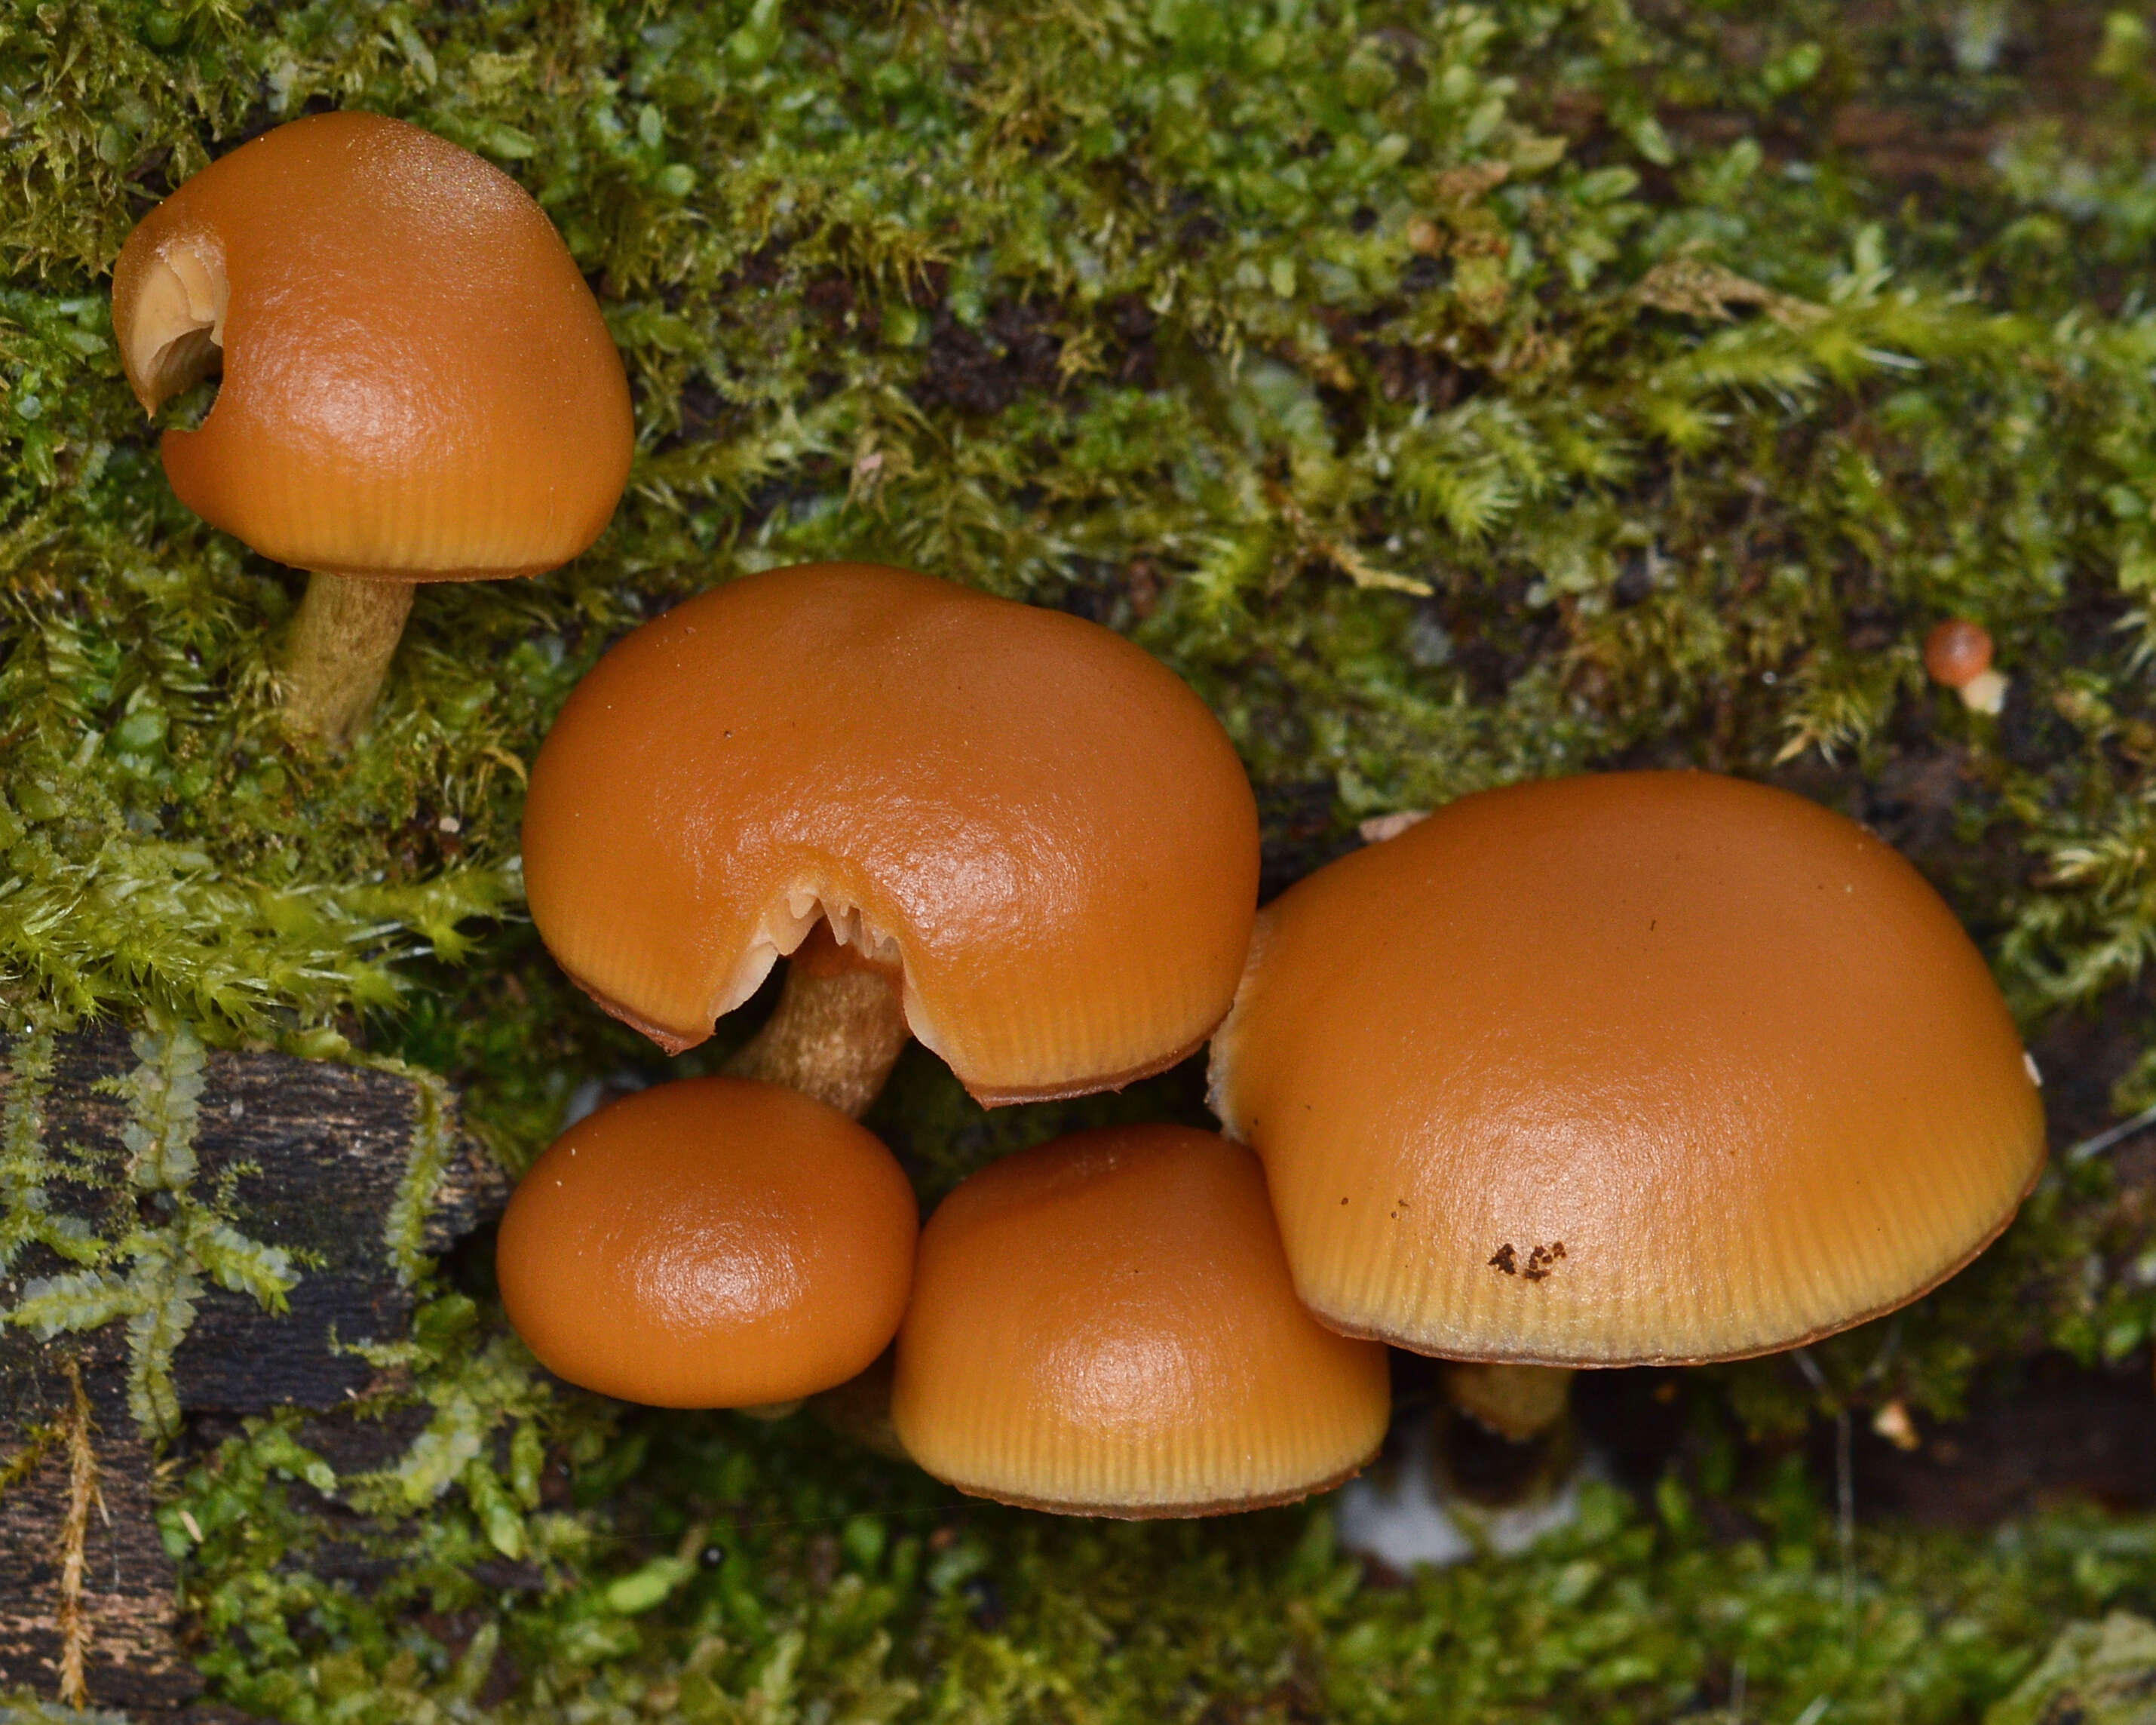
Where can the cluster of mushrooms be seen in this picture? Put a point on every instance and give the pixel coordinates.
(1627, 1068)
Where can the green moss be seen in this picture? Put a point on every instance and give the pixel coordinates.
(746, 1575)
(2095, 1671)
(1452, 394)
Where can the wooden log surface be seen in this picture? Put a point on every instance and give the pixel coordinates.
(318, 1152)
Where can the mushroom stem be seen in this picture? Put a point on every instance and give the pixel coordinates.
(338, 652)
(859, 1409)
(1508, 1442)
(838, 1030)
(1519, 1403)
(1984, 693)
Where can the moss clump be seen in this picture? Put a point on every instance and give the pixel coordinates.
(1452, 394)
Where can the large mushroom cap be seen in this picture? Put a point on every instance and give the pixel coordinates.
(418, 383)
(711, 1243)
(1038, 822)
(1626, 1068)
(1104, 1325)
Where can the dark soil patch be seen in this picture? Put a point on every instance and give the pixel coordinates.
(983, 371)
(2053, 1433)
(2044, 1433)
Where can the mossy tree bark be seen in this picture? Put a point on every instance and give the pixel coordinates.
(319, 1154)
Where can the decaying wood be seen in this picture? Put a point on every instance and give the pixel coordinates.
(320, 1151)
(131, 1660)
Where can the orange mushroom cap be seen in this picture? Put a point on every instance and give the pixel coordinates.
(1633, 1067)
(712, 1243)
(1957, 652)
(1038, 822)
(418, 384)
(1104, 1325)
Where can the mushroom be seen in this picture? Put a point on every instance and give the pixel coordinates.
(1631, 1068)
(1030, 831)
(1104, 1325)
(417, 385)
(1957, 656)
(710, 1243)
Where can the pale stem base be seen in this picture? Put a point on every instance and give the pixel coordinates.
(1984, 693)
(338, 652)
(1407, 1510)
(838, 1030)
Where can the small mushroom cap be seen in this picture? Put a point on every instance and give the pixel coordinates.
(1036, 820)
(1104, 1325)
(711, 1243)
(418, 383)
(1627, 1068)
(1958, 652)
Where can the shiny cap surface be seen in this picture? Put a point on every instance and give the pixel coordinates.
(417, 382)
(1628, 1067)
(1104, 1325)
(1038, 822)
(711, 1243)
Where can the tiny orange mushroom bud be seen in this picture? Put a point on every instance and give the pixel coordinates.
(712, 1243)
(1957, 656)
(1957, 651)
(417, 385)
